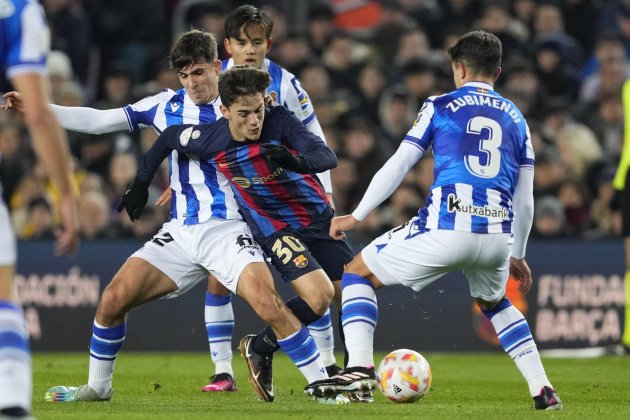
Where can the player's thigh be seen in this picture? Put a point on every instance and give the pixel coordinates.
(411, 258)
(137, 282)
(168, 260)
(331, 254)
(225, 248)
(488, 273)
(290, 255)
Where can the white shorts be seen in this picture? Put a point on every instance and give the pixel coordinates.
(408, 257)
(187, 253)
(8, 253)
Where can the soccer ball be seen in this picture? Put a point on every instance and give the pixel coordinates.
(404, 376)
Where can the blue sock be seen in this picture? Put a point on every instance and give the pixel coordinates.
(301, 348)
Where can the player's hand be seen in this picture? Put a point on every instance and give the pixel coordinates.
(134, 199)
(164, 198)
(283, 157)
(13, 101)
(67, 238)
(339, 225)
(520, 271)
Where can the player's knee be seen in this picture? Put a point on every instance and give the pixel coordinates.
(112, 304)
(320, 299)
(216, 288)
(485, 305)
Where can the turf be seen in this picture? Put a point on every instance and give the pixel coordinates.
(471, 386)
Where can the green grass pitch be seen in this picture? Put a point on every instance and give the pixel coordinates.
(470, 386)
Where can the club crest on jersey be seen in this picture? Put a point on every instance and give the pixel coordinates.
(300, 261)
(455, 205)
(184, 137)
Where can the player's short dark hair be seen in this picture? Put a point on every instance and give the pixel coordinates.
(479, 50)
(244, 15)
(193, 47)
(240, 81)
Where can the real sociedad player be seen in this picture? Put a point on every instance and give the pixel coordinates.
(476, 219)
(280, 198)
(24, 45)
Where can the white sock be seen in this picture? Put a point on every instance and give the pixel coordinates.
(322, 332)
(219, 317)
(359, 315)
(16, 384)
(104, 346)
(517, 341)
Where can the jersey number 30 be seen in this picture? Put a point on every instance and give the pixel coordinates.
(488, 146)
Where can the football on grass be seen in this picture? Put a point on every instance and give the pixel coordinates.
(404, 376)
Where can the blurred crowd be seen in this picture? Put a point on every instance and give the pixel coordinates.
(367, 66)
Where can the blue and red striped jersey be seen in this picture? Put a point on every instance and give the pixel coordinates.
(270, 197)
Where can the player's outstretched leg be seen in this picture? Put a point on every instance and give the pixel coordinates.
(219, 317)
(359, 318)
(104, 346)
(517, 341)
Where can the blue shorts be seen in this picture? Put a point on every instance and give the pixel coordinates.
(296, 252)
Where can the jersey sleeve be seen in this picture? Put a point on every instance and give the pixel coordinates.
(296, 100)
(142, 113)
(420, 133)
(28, 41)
(527, 157)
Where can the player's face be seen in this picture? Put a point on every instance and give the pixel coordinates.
(201, 81)
(250, 47)
(246, 117)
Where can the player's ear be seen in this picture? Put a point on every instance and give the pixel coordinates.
(269, 43)
(217, 67)
(225, 111)
(227, 45)
(497, 72)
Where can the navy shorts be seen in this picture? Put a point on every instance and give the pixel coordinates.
(296, 252)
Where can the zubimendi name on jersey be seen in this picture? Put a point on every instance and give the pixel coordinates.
(455, 205)
(481, 99)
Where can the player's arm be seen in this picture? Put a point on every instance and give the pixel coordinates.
(75, 118)
(135, 198)
(383, 184)
(51, 148)
(298, 102)
(523, 205)
(313, 155)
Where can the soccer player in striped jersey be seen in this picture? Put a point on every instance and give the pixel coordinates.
(282, 201)
(248, 39)
(205, 235)
(24, 44)
(476, 219)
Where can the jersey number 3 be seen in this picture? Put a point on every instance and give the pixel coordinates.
(488, 146)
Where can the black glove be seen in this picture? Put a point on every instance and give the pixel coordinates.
(134, 199)
(283, 157)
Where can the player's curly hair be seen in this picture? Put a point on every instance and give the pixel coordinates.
(481, 51)
(193, 47)
(240, 81)
(244, 15)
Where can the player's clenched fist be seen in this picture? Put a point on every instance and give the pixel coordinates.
(340, 224)
(13, 101)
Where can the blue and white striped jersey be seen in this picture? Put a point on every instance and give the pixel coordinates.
(24, 37)
(197, 193)
(285, 90)
(479, 140)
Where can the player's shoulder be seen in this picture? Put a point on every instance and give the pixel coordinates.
(166, 95)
